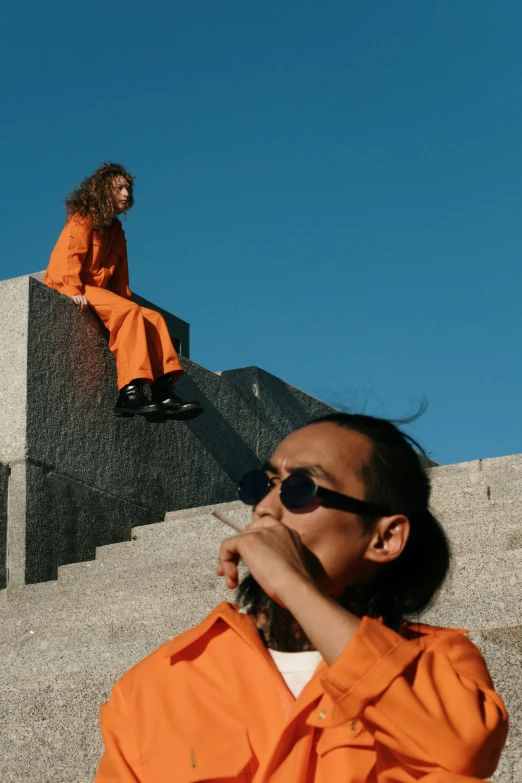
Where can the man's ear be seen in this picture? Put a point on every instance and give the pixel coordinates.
(389, 538)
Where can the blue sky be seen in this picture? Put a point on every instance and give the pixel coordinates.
(330, 191)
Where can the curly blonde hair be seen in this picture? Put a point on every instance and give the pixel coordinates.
(92, 198)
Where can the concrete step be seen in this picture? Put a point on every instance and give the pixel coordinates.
(51, 723)
(509, 769)
(502, 649)
(175, 538)
(177, 542)
(235, 510)
(142, 595)
(474, 537)
(486, 611)
(44, 651)
(468, 489)
(502, 474)
(486, 573)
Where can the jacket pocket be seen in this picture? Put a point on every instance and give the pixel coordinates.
(223, 756)
(347, 747)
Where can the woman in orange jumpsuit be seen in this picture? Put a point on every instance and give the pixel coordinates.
(318, 678)
(89, 264)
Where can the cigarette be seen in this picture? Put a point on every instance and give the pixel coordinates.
(226, 521)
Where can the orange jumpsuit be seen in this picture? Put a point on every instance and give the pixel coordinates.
(211, 705)
(95, 265)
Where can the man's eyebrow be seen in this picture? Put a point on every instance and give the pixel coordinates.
(309, 470)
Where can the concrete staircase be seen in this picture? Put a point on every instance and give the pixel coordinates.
(76, 486)
(65, 642)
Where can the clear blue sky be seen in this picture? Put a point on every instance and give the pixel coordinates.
(328, 190)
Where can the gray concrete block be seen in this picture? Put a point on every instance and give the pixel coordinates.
(485, 573)
(147, 464)
(179, 329)
(14, 319)
(471, 538)
(195, 541)
(234, 510)
(279, 407)
(67, 519)
(50, 729)
(4, 479)
(464, 491)
(39, 652)
(16, 523)
(128, 598)
(502, 649)
(479, 611)
(508, 768)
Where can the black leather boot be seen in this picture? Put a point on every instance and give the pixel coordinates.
(132, 401)
(162, 392)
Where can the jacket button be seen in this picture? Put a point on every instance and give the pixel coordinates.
(322, 715)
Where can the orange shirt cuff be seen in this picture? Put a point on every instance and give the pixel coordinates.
(375, 656)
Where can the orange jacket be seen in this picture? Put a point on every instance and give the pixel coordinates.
(211, 704)
(82, 257)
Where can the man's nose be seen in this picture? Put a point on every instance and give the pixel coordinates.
(270, 505)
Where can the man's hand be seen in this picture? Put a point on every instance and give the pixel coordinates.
(272, 553)
(81, 302)
(275, 557)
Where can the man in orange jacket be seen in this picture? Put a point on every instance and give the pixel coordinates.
(89, 264)
(318, 678)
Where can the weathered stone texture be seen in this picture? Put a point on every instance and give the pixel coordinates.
(4, 479)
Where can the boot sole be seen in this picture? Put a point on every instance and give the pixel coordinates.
(129, 413)
(184, 415)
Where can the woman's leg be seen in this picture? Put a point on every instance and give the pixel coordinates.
(163, 357)
(128, 334)
(166, 369)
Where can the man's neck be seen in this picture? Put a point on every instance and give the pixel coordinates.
(280, 631)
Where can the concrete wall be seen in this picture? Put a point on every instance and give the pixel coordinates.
(178, 328)
(4, 479)
(88, 476)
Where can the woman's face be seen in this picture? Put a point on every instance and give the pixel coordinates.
(332, 456)
(120, 193)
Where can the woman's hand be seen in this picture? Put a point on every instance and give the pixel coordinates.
(81, 302)
(272, 553)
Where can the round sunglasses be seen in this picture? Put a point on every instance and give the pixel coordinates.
(298, 490)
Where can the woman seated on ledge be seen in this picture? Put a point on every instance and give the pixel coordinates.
(89, 264)
(318, 678)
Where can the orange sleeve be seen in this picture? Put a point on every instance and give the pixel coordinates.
(119, 282)
(429, 710)
(68, 257)
(120, 762)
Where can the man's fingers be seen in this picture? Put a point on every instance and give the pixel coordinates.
(229, 570)
(228, 561)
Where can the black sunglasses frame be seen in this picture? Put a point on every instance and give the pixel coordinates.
(328, 497)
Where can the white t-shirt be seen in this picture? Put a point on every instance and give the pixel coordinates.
(296, 669)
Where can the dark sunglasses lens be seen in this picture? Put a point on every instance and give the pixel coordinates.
(297, 491)
(253, 487)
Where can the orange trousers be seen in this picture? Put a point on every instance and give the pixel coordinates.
(139, 338)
